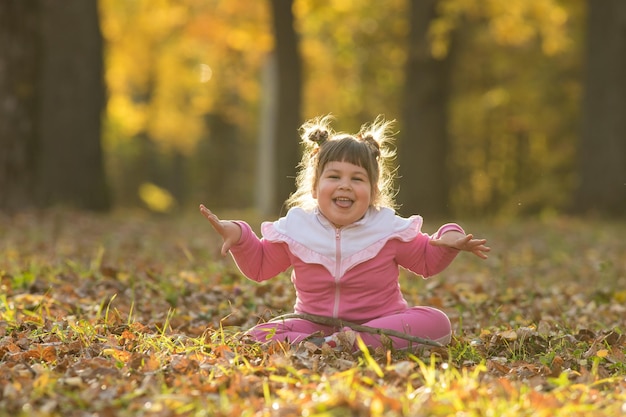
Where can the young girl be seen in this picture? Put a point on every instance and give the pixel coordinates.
(345, 243)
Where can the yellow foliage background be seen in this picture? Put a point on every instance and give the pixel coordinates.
(173, 65)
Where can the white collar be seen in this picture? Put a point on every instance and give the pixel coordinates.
(312, 238)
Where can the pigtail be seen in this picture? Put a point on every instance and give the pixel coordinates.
(316, 131)
(318, 136)
(374, 146)
(379, 136)
(313, 134)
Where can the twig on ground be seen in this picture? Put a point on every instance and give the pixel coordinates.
(333, 322)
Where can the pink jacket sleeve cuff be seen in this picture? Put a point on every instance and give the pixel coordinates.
(246, 231)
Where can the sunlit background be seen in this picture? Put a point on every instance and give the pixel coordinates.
(499, 104)
(185, 90)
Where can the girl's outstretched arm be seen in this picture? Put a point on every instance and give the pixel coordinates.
(230, 231)
(460, 241)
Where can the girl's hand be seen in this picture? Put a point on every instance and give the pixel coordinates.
(463, 242)
(230, 231)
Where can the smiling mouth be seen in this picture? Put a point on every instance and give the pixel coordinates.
(343, 202)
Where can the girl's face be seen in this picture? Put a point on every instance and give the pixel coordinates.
(343, 193)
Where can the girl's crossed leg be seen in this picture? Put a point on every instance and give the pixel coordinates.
(423, 322)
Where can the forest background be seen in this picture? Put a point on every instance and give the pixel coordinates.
(503, 108)
(510, 119)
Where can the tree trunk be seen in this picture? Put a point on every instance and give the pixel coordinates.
(423, 141)
(222, 167)
(602, 152)
(266, 178)
(71, 105)
(19, 60)
(286, 119)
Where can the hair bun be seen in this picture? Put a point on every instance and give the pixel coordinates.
(318, 136)
(374, 145)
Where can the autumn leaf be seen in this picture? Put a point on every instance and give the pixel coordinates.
(117, 354)
(78, 339)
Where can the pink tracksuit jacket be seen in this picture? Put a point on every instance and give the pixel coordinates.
(349, 273)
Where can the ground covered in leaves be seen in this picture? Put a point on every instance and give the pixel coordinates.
(132, 315)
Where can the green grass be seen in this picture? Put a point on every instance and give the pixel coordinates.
(128, 315)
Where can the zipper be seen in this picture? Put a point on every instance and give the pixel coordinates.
(337, 271)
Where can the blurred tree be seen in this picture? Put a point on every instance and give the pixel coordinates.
(353, 57)
(55, 105)
(19, 60)
(222, 158)
(423, 145)
(71, 105)
(183, 82)
(513, 102)
(147, 124)
(286, 118)
(602, 152)
(186, 94)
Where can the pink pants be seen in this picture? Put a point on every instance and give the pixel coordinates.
(424, 322)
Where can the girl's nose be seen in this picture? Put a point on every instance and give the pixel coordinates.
(345, 185)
